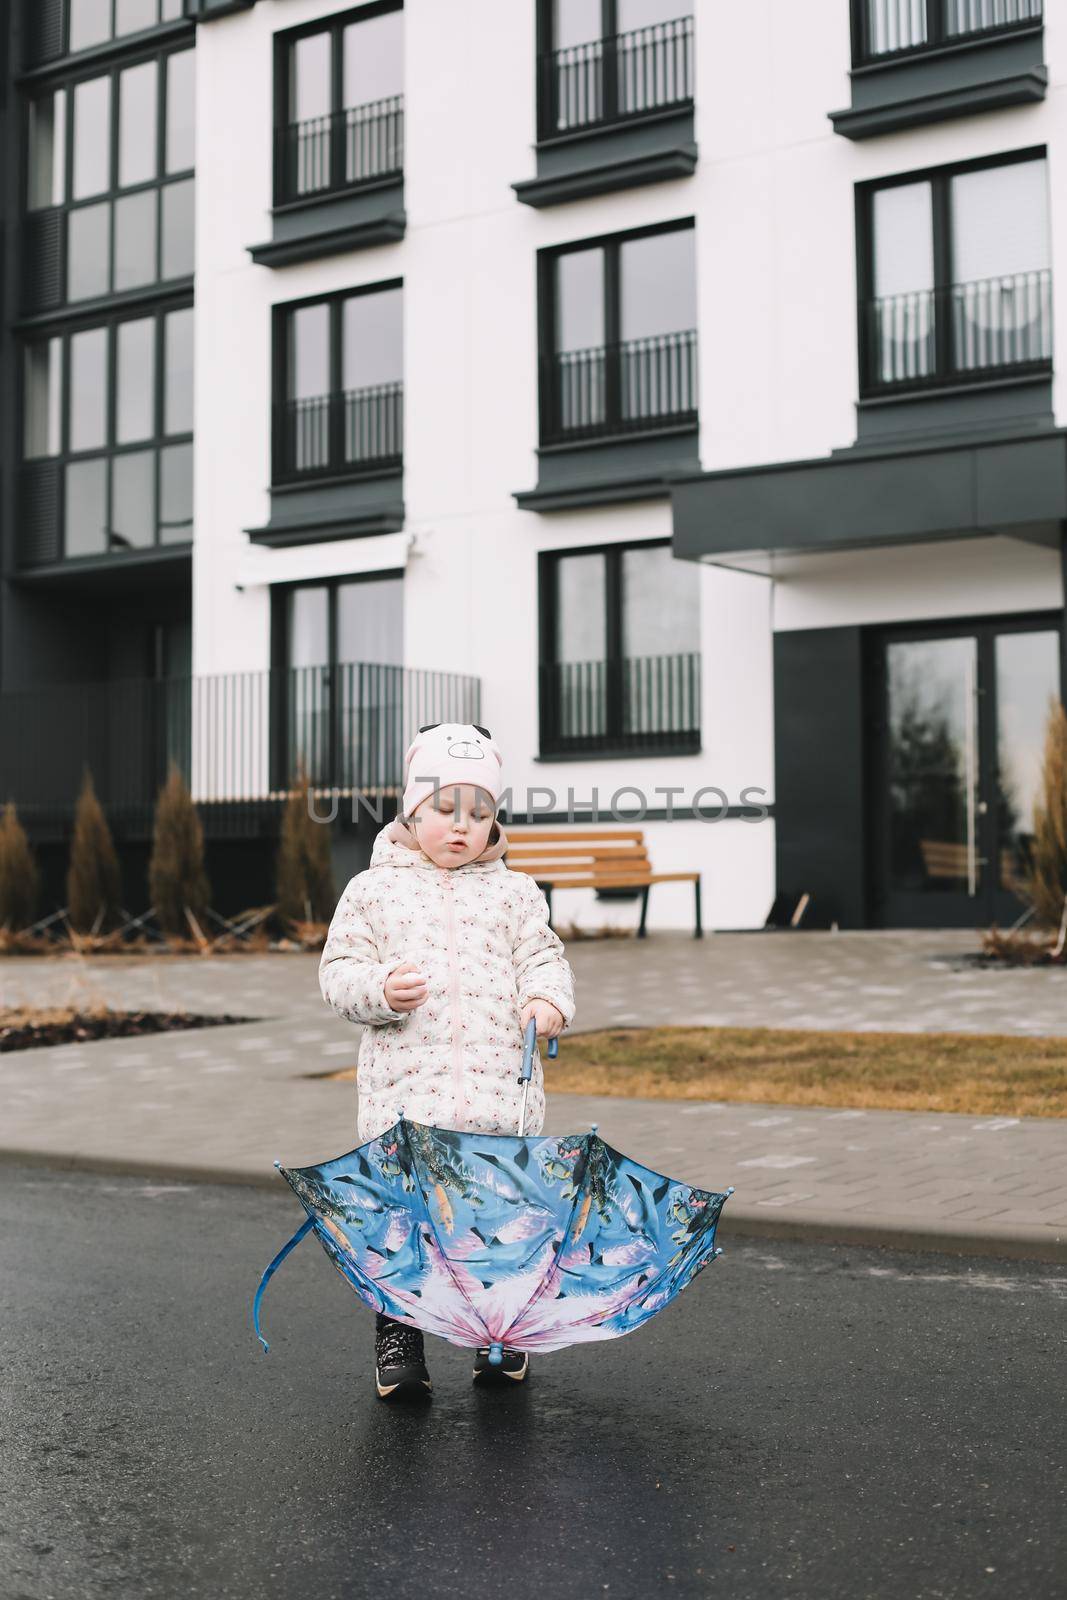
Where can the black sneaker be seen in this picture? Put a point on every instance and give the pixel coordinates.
(514, 1367)
(399, 1360)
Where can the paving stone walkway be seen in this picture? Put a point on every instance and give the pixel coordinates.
(225, 1102)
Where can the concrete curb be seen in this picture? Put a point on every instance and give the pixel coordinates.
(1003, 1243)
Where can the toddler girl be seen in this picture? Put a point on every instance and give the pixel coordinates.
(444, 954)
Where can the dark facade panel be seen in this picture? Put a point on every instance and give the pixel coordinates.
(577, 166)
(819, 773)
(308, 230)
(1021, 404)
(311, 513)
(573, 476)
(852, 500)
(207, 10)
(955, 80)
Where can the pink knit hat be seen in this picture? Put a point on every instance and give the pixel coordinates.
(443, 754)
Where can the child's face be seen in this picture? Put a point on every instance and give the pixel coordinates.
(453, 824)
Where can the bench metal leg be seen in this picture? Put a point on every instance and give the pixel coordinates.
(644, 912)
(698, 931)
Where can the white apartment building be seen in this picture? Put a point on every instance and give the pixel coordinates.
(676, 392)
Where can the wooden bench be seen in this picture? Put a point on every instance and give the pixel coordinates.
(615, 858)
(947, 859)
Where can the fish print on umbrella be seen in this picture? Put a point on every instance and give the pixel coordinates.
(491, 1239)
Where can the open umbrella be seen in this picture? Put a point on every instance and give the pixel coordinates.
(493, 1239)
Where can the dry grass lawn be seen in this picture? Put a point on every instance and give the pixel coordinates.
(979, 1074)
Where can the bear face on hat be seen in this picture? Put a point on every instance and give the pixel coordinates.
(444, 754)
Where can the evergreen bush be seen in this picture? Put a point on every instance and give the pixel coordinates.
(1045, 881)
(94, 884)
(18, 873)
(304, 887)
(177, 880)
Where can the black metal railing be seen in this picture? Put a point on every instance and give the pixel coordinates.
(896, 27)
(359, 429)
(323, 155)
(619, 389)
(611, 80)
(636, 703)
(238, 738)
(965, 331)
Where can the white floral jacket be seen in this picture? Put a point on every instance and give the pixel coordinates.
(479, 933)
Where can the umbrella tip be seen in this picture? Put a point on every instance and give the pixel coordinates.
(730, 1190)
(277, 1164)
(496, 1353)
(593, 1127)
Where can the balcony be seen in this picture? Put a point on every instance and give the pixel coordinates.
(615, 113)
(348, 150)
(338, 184)
(627, 706)
(238, 738)
(357, 431)
(964, 334)
(885, 29)
(921, 61)
(641, 386)
(616, 80)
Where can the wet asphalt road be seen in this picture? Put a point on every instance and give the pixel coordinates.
(806, 1421)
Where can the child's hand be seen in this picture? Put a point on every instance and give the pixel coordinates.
(405, 988)
(549, 1018)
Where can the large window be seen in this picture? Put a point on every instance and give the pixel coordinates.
(60, 27)
(955, 275)
(343, 651)
(109, 182)
(620, 643)
(618, 335)
(340, 89)
(108, 420)
(339, 384)
(896, 27)
(605, 61)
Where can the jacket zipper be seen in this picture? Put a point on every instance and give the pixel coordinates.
(453, 968)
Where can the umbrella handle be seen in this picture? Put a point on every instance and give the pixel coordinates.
(529, 1050)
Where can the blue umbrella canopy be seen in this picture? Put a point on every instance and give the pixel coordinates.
(491, 1239)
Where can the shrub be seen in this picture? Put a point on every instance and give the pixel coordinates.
(18, 873)
(1045, 882)
(94, 884)
(304, 877)
(177, 881)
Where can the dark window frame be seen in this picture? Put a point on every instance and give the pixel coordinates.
(280, 593)
(159, 54)
(114, 40)
(335, 467)
(937, 39)
(285, 192)
(611, 115)
(615, 741)
(945, 376)
(552, 430)
(56, 464)
(282, 711)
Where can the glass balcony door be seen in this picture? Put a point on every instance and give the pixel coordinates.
(344, 684)
(961, 732)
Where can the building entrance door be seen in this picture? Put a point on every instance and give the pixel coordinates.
(962, 712)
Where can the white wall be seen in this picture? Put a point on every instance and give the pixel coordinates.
(773, 198)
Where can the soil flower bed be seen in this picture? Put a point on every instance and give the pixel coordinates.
(978, 1074)
(26, 1028)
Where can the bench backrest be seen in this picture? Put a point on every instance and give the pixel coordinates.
(545, 853)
